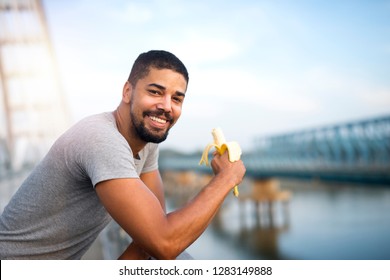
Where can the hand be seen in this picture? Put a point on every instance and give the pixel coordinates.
(222, 166)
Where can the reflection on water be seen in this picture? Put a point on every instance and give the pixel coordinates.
(321, 221)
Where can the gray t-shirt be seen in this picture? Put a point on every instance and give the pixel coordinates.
(56, 213)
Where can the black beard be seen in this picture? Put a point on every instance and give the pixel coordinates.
(146, 134)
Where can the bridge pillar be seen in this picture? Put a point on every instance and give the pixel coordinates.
(264, 194)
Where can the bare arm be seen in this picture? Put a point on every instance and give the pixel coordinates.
(164, 236)
(154, 182)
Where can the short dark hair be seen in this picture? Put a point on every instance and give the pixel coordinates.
(156, 59)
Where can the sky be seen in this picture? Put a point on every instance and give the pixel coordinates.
(257, 68)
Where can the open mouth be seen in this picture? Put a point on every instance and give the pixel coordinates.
(159, 120)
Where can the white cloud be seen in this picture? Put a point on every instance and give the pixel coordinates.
(134, 12)
(379, 98)
(245, 88)
(200, 110)
(199, 48)
(89, 89)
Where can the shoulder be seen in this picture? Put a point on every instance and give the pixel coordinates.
(99, 121)
(100, 126)
(93, 134)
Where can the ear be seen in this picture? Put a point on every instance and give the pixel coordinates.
(126, 92)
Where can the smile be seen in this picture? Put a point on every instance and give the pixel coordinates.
(156, 119)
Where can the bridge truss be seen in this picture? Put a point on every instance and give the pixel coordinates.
(32, 106)
(354, 152)
(358, 151)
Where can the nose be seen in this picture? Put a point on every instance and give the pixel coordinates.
(165, 104)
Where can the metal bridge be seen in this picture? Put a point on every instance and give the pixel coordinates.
(354, 152)
(32, 104)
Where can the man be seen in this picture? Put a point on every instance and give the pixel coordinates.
(105, 167)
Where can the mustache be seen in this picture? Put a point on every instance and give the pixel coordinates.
(159, 113)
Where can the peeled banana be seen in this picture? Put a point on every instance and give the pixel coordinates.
(220, 144)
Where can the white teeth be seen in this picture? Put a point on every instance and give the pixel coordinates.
(158, 119)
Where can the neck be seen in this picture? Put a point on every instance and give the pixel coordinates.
(124, 124)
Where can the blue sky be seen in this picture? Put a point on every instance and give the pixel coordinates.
(256, 68)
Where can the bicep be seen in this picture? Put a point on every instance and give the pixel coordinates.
(134, 207)
(154, 182)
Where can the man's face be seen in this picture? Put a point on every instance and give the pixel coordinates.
(156, 103)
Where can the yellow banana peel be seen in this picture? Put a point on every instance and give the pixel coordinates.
(220, 144)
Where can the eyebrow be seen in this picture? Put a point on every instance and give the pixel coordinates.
(164, 88)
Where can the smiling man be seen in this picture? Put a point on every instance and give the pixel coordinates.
(106, 167)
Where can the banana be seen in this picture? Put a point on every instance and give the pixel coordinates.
(220, 144)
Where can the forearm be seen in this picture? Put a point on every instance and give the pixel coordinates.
(134, 252)
(186, 224)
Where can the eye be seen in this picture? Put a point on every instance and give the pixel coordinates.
(154, 92)
(178, 99)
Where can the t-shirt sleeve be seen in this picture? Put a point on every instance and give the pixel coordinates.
(151, 162)
(107, 156)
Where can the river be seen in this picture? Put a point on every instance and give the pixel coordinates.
(323, 221)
